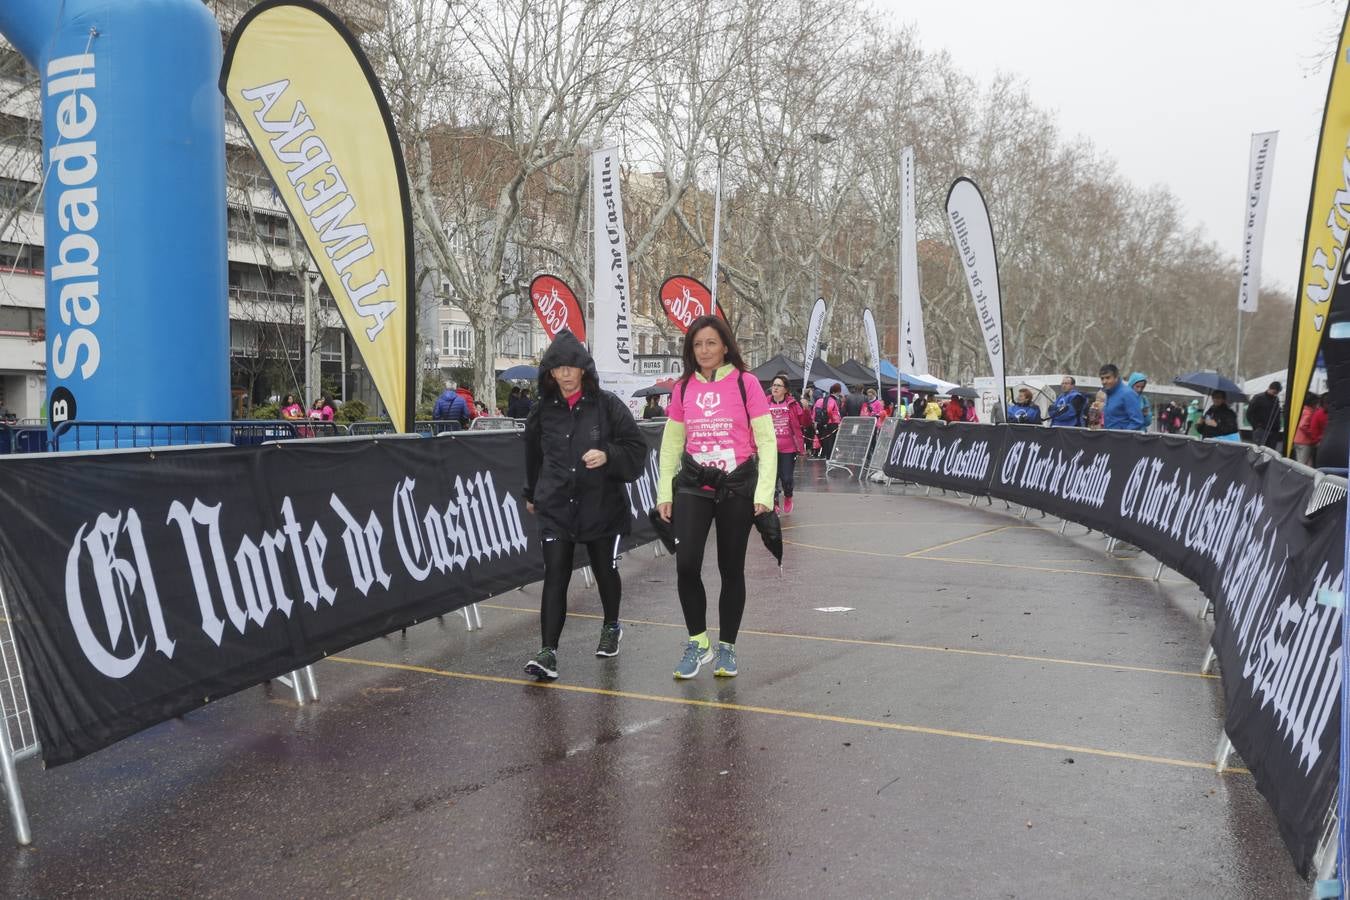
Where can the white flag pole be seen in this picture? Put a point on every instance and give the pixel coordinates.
(717, 238)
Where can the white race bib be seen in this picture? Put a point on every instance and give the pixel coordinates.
(716, 457)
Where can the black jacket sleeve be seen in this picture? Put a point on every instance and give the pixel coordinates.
(534, 451)
(627, 448)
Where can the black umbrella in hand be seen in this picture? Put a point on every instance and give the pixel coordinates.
(663, 530)
(771, 531)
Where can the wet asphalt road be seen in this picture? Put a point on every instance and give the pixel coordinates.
(1001, 712)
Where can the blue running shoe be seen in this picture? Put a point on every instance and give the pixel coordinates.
(726, 661)
(693, 660)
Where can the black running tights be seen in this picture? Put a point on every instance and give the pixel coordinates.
(604, 553)
(692, 518)
(786, 463)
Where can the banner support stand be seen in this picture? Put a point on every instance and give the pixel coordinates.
(1208, 662)
(18, 813)
(1222, 752)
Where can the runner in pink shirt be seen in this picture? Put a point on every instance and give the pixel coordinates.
(719, 441)
(788, 421)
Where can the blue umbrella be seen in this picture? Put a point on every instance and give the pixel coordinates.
(519, 373)
(1208, 382)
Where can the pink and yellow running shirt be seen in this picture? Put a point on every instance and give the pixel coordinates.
(716, 422)
(708, 420)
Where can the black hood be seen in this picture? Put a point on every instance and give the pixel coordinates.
(566, 350)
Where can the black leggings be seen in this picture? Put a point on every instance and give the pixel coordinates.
(604, 553)
(786, 463)
(692, 517)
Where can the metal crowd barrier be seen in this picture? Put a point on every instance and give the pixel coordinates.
(424, 427)
(108, 435)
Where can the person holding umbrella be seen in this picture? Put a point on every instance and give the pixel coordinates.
(581, 446)
(1220, 422)
(653, 408)
(719, 462)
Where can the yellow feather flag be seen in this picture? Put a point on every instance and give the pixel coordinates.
(1324, 240)
(309, 101)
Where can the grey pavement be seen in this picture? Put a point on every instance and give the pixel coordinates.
(999, 712)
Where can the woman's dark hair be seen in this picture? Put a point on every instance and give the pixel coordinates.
(290, 398)
(723, 331)
(548, 385)
(783, 375)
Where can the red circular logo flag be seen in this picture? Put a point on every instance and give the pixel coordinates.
(685, 299)
(557, 307)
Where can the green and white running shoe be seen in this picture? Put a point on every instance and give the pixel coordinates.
(693, 660)
(544, 666)
(610, 635)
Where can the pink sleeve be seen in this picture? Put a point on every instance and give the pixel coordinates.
(675, 410)
(755, 402)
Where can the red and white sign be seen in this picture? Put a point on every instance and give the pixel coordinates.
(557, 307)
(685, 299)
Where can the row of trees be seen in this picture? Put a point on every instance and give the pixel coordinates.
(805, 107)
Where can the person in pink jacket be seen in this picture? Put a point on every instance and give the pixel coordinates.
(788, 421)
(873, 406)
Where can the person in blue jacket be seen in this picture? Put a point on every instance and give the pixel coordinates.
(1138, 382)
(1122, 411)
(451, 406)
(1070, 406)
(1024, 411)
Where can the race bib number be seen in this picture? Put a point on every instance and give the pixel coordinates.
(715, 457)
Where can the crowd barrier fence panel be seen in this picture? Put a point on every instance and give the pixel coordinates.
(852, 442)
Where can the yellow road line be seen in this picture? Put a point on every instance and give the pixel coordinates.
(918, 554)
(944, 545)
(794, 714)
(892, 644)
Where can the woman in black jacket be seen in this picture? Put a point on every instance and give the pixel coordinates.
(1220, 422)
(581, 446)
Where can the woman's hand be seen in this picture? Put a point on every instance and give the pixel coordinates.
(760, 509)
(529, 507)
(594, 459)
(663, 510)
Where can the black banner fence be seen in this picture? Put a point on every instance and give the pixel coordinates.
(1244, 526)
(144, 584)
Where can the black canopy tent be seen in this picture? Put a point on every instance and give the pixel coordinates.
(861, 375)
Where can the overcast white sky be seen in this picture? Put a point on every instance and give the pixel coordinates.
(1172, 89)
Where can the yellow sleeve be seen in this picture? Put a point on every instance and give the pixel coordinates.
(766, 443)
(672, 447)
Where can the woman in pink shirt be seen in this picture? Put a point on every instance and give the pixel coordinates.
(719, 462)
(788, 421)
